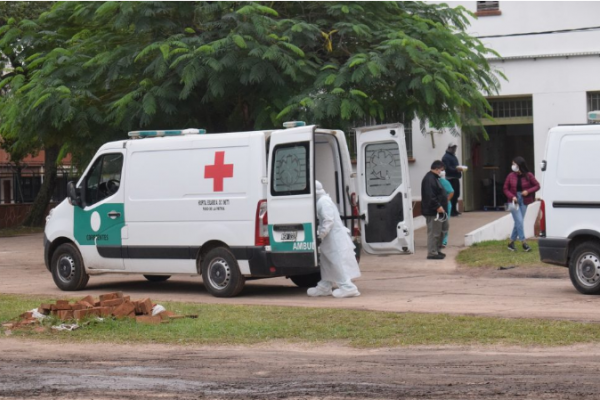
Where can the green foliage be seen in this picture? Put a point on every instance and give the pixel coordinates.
(84, 73)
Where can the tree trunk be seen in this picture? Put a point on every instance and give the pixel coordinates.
(37, 214)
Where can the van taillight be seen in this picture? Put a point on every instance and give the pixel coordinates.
(543, 219)
(356, 226)
(261, 237)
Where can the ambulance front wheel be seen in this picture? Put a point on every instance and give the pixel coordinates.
(221, 273)
(67, 268)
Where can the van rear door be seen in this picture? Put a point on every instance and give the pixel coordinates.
(385, 197)
(291, 198)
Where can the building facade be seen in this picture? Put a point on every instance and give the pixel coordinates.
(550, 53)
(20, 183)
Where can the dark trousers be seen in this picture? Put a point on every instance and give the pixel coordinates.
(456, 186)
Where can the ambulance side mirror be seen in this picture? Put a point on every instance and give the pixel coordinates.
(73, 194)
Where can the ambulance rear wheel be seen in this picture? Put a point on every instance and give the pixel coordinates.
(157, 278)
(306, 281)
(221, 273)
(67, 268)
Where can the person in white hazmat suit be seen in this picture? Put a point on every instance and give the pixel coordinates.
(338, 262)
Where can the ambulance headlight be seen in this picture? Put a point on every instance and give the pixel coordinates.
(49, 215)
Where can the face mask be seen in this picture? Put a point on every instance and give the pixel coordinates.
(442, 174)
(515, 168)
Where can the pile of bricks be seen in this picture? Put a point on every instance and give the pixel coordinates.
(108, 305)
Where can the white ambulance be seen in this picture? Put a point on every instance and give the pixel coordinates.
(229, 207)
(570, 224)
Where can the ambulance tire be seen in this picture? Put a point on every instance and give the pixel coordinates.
(584, 267)
(221, 274)
(306, 281)
(157, 278)
(67, 268)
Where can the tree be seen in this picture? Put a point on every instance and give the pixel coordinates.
(91, 71)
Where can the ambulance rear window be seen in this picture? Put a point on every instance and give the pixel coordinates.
(383, 173)
(290, 169)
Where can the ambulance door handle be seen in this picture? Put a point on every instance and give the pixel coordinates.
(114, 215)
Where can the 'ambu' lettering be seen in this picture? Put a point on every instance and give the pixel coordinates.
(303, 246)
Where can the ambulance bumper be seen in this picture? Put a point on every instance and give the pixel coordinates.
(264, 264)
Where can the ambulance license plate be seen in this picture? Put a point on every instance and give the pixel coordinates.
(288, 236)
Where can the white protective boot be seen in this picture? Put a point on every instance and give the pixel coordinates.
(323, 288)
(346, 289)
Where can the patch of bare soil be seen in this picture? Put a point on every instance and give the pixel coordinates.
(30, 369)
(515, 271)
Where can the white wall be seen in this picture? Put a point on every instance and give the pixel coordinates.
(425, 154)
(536, 16)
(501, 228)
(558, 87)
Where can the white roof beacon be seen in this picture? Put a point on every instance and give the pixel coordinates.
(171, 132)
(594, 116)
(293, 124)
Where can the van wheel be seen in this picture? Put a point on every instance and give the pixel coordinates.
(306, 281)
(157, 278)
(584, 268)
(67, 268)
(221, 273)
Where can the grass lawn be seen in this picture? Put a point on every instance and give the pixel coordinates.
(495, 254)
(19, 231)
(241, 325)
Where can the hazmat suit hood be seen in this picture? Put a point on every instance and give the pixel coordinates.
(320, 192)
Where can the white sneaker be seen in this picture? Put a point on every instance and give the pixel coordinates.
(318, 292)
(340, 294)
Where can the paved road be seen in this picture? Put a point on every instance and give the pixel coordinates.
(389, 283)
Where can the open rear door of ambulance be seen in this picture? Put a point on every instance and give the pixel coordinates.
(291, 198)
(385, 198)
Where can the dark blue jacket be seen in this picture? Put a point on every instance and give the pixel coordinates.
(451, 162)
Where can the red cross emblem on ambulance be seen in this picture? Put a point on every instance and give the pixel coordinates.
(218, 171)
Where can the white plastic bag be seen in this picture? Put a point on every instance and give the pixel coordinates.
(158, 309)
(36, 314)
(65, 327)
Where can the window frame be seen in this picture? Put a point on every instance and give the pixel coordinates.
(366, 177)
(487, 8)
(100, 160)
(306, 190)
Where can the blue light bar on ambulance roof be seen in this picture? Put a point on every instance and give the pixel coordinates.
(293, 124)
(172, 132)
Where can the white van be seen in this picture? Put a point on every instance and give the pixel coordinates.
(230, 207)
(570, 224)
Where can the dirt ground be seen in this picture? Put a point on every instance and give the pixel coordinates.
(282, 371)
(45, 370)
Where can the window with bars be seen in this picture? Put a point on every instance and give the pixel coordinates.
(593, 103)
(488, 6)
(511, 108)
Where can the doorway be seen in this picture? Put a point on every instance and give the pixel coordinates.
(489, 163)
